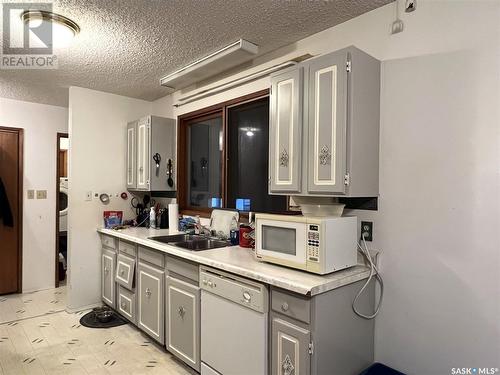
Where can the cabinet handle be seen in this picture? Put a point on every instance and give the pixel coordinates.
(284, 158)
(123, 305)
(181, 311)
(106, 270)
(325, 156)
(287, 365)
(148, 292)
(284, 306)
(122, 272)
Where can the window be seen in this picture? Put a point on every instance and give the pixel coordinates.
(223, 158)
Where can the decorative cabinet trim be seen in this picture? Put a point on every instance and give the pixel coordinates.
(284, 158)
(147, 293)
(323, 155)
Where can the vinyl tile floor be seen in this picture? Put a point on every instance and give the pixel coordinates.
(56, 343)
(14, 307)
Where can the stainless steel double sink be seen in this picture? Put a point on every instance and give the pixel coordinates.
(191, 242)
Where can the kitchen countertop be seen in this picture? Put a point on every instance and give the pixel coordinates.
(242, 261)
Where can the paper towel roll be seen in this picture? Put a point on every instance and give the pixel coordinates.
(173, 217)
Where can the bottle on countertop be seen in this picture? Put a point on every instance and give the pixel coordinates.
(234, 232)
(197, 225)
(152, 218)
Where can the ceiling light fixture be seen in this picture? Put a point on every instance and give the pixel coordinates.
(63, 28)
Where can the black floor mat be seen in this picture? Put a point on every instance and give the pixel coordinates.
(89, 320)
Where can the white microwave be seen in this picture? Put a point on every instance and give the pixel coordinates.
(315, 244)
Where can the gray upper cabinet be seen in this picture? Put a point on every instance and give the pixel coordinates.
(183, 321)
(131, 155)
(150, 292)
(151, 154)
(290, 348)
(327, 124)
(285, 139)
(143, 141)
(339, 109)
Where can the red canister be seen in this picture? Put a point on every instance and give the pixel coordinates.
(247, 237)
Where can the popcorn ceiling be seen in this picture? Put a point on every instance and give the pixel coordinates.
(126, 46)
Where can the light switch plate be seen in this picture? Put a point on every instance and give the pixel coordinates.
(41, 194)
(31, 194)
(88, 196)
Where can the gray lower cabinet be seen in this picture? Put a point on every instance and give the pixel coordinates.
(108, 261)
(290, 348)
(126, 303)
(150, 293)
(183, 321)
(321, 334)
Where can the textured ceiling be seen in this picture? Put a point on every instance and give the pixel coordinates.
(126, 46)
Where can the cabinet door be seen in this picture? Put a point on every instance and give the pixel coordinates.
(183, 321)
(108, 260)
(150, 292)
(290, 348)
(131, 155)
(327, 123)
(285, 135)
(143, 143)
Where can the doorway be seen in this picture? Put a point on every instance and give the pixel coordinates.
(62, 185)
(11, 208)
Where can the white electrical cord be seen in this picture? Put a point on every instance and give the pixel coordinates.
(373, 269)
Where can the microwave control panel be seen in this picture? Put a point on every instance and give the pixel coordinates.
(313, 242)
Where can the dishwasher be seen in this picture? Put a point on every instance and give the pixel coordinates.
(234, 321)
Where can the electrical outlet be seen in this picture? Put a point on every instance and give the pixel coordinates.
(367, 230)
(41, 194)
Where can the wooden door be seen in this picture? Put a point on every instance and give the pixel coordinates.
(10, 210)
(285, 136)
(327, 123)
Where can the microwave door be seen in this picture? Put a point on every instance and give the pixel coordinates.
(282, 240)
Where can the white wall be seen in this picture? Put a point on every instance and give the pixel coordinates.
(97, 125)
(439, 204)
(41, 123)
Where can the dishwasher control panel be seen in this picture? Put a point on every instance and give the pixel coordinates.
(234, 288)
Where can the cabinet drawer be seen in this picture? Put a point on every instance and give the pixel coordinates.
(151, 256)
(108, 241)
(183, 268)
(126, 303)
(125, 271)
(128, 248)
(294, 306)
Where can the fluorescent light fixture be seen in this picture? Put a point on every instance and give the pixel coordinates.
(63, 28)
(230, 56)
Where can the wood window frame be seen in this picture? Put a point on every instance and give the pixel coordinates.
(183, 121)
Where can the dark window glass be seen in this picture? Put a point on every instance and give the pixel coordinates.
(248, 154)
(205, 143)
